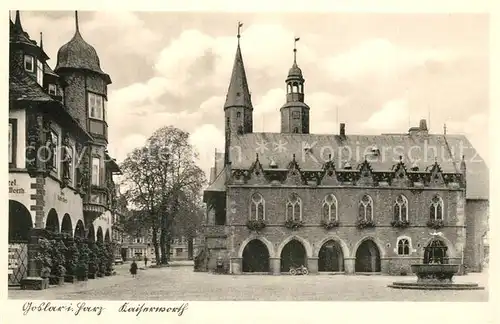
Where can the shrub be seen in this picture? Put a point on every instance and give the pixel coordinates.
(256, 225)
(400, 223)
(364, 223)
(294, 224)
(328, 225)
(58, 252)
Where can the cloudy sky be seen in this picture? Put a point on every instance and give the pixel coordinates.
(382, 71)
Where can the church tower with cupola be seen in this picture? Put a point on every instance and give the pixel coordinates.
(295, 113)
(238, 107)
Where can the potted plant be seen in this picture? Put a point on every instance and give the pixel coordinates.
(294, 224)
(82, 267)
(71, 257)
(43, 258)
(435, 223)
(58, 271)
(329, 224)
(256, 224)
(364, 223)
(400, 223)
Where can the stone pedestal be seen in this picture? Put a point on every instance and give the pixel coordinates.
(349, 265)
(236, 265)
(275, 266)
(312, 265)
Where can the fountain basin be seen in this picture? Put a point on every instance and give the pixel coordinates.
(439, 273)
(435, 277)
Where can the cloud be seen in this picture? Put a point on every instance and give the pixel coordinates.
(380, 58)
(205, 139)
(390, 118)
(475, 128)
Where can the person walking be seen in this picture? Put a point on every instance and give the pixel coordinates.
(145, 261)
(133, 269)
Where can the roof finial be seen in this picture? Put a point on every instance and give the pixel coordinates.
(76, 22)
(256, 156)
(295, 49)
(240, 24)
(444, 129)
(41, 40)
(17, 22)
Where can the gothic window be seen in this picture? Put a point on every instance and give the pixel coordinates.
(96, 166)
(294, 207)
(96, 106)
(39, 72)
(52, 89)
(12, 142)
(403, 246)
(238, 114)
(366, 208)
(296, 130)
(330, 208)
(29, 63)
(257, 210)
(401, 208)
(436, 208)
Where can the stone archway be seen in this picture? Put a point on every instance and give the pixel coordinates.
(293, 254)
(100, 236)
(20, 225)
(330, 257)
(91, 233)
(52, 221)
(79, 229)
(20, 222)
(367, 257)
(66, 225)
(107, 237)
(255, 257)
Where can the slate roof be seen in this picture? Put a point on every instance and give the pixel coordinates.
(48, 70)
(23, 87)
(421, 151)
(78, 54)
(238, 93)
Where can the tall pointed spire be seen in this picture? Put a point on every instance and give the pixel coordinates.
(17, 21)
(238, 94)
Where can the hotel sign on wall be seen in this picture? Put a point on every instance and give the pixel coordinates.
(15, 188)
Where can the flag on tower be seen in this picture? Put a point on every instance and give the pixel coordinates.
(297, 39)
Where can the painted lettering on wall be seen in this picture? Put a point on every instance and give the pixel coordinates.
(14, 188)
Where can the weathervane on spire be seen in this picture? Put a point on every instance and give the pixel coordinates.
(240, 24)
(295, 49)
(76, 20)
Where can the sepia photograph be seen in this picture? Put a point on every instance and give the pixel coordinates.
(247, 156)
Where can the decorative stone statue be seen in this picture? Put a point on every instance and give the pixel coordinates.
(67, 160)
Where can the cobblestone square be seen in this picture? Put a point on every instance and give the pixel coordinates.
(181, 283)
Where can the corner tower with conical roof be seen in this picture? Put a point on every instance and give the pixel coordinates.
(238, 107)
(86, 91)
(295, 113)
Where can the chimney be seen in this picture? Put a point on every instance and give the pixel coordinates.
(342, 129)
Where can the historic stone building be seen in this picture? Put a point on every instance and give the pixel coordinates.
(338, 202)
(60, 174)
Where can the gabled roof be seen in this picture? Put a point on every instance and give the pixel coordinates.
(22, 87)
(312, 150)
(219, 184)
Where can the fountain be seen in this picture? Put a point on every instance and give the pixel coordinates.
(435, 273)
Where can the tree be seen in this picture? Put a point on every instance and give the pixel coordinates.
(162, 180)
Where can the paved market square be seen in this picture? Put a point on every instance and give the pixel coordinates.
(180, 282)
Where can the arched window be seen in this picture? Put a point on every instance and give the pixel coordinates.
(289, 87)
(295, 129)
(366, 208)
(403, 246)
(294, 207)
(436, 209)
(257, 210)
(238, 114)
(401, 208)
(330, 208)
(295, 87)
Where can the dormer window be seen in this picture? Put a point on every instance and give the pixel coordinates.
(52, 89)
(29, 63)
(39, 72)
(96, 106)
